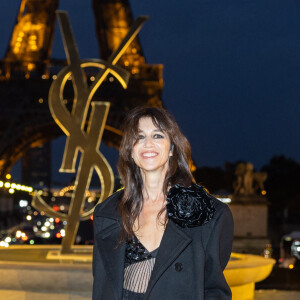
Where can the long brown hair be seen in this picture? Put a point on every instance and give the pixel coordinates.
(179, 172)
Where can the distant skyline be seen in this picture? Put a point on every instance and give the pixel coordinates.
(231, 71)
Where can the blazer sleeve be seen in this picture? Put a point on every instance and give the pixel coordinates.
(217, 255)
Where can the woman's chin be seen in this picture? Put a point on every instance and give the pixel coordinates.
(153, 168)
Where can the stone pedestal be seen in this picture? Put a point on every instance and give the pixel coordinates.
(250, 214)
(26, 273)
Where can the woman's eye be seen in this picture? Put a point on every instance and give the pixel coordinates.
(158, 136)
(140, 137)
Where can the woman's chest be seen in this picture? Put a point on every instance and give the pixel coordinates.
(150, 228)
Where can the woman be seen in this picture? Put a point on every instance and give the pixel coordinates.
(162, 236)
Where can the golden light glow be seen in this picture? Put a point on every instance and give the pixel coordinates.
(27, 37)
(8, 176)
(69, 188)
(30, 66)
(135, 70)
(263, 192)
(13, 186)
(291, 266)
(24, 238)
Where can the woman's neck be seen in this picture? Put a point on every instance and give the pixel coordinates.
(153, 189)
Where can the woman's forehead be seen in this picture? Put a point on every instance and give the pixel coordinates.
(147, 123)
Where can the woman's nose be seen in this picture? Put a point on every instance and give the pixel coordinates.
(148, 142)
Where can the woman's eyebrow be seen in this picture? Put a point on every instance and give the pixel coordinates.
(155, 130)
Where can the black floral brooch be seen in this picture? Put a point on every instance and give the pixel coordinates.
(189, 207)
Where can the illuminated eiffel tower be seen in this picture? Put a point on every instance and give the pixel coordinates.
(27, 71)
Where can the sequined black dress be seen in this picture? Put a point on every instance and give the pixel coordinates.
(139, 263)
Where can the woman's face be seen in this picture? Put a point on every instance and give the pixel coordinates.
(153, 148)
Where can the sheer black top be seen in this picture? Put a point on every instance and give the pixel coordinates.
(139, 263)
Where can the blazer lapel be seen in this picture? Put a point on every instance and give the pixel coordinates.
(113, 257)
(174, 241)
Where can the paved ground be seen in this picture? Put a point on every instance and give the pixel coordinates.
(276, 295)
(20, 295)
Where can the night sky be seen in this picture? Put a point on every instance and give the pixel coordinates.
(231, 71)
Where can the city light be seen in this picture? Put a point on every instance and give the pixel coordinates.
(7, 185)
(14, 186)
(4, 244)
(24, 238)
(7, 240)
(28, 218)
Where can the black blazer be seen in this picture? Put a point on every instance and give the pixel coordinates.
(189, 264)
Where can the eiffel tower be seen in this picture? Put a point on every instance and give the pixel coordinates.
(27, 71)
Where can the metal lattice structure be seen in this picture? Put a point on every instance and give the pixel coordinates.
(27, 71)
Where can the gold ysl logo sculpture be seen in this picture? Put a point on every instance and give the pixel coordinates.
(73, 124)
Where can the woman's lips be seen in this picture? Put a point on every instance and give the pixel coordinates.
(149, 154)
